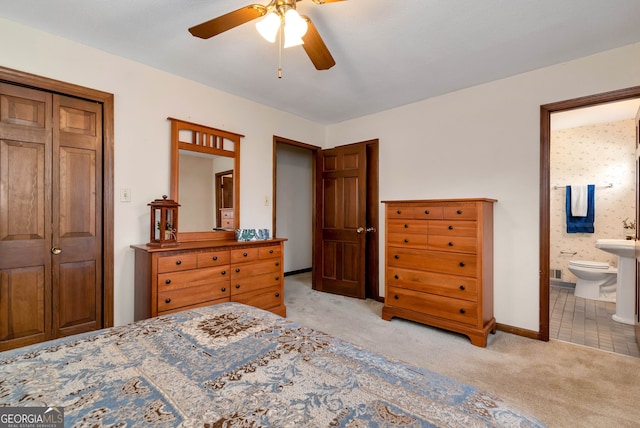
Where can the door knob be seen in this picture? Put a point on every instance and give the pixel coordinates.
(56, 250)
(360, 230)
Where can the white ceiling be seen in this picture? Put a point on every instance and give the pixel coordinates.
(388, 53)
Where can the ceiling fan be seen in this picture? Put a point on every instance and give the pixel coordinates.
(280, 18)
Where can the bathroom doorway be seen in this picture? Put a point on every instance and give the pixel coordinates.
(587, 141)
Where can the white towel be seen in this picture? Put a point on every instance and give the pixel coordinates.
(579, 201)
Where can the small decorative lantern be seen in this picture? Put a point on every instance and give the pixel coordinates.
(164, 222)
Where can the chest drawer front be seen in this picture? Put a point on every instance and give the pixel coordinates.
(271, 252)
(434, 213)
(459, 287)
(407, 226)
(464, 212)
(399, 212)
(434, 261)
(246, 270)
(407, 240)
(213, 258)
(452, 228)
(241, 255)
(178, 262)
(179, 280)
(462, 311)
(253, 283)
(266, 298)
(174, 299)
(463, 244)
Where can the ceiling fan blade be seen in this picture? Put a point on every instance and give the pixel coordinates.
(316, 49)
(228, 21)
(325, 1)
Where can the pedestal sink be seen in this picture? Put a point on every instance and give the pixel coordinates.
(626, 282)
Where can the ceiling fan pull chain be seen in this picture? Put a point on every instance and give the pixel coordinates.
(280, 41)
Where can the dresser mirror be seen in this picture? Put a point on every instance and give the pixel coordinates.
(205, 180)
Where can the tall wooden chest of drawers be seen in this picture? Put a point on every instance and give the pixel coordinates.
(439, 264)
(201, 273)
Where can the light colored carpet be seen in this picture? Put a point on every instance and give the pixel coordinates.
(562, 384)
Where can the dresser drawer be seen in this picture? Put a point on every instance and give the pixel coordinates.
(452, 228)
(399, 212)
(265, 298)
(407, 226)
(462, 244)
(179, 280)
(434, 213)
(270, 252)
(459, 287)
(247, 270)
(462, 311)
(241, 255)
(434, 261)
(407, 240)
(174, 299)
(253, 283)
(462, 212)
(213, 258)
(178, 262)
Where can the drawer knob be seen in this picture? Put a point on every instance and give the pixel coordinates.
(277, 294)
(450, 227)
(406, 241)
(245, 254)
(277, 278)
(462, 311)
(178, 262)
(215, 258)
(270, 251)
(406, 226)
(451, 244)
(168, 281)
(396, 277)
(396, 257)
(167, 301)
(426, 211)
(461, 264)
(396, 297)
(224, 272)
(398, 212)
(459, 212)
(223, 289)
(462, 287)
(237, 269)
(277, 263)
(237, 285)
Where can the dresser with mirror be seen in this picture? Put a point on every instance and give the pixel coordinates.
(208, 265)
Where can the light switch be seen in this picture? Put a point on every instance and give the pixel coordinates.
(125, 194)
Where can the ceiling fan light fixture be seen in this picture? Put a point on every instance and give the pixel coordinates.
(294, 28)
(268, 26)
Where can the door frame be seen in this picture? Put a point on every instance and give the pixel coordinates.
(106, 99)
(545, 185)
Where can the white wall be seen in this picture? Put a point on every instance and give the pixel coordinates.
(144, 98)
(484, 141)
(478, 142)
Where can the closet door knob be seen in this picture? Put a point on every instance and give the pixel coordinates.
(56, 250)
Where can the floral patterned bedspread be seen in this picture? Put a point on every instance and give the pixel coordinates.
(232, 365)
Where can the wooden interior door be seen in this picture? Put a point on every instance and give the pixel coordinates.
(340, 236)
(77, 216)
(51, 257)
(637, 312)
(25, 216)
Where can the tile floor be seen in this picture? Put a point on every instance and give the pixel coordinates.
(588, 322)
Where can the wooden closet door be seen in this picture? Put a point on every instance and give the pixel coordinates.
(77, 216)
(25, 216)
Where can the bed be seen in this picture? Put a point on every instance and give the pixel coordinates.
(232, 365)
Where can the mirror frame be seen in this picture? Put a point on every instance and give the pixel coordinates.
(204, 139)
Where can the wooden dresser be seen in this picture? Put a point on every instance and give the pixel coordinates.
(226, 218)
(202, 273)
(439, 264)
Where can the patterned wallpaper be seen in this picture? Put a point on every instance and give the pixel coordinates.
(594, 154)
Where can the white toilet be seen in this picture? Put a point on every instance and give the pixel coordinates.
(596, 280)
